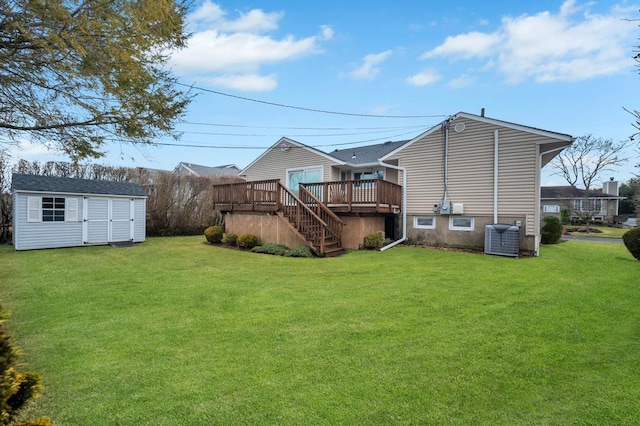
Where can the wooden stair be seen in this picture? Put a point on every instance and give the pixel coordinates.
(318, 226)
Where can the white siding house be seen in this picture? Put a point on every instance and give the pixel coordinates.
(51, 212)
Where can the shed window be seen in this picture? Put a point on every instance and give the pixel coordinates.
(424, 222)
(459, 223)
(551, 209)
(53, 209)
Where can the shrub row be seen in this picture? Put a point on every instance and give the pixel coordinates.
(216, 235)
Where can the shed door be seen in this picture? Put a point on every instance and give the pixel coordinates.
(95, 220)
(121, 220)
(107, 220)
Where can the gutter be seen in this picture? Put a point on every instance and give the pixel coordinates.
(404, 204)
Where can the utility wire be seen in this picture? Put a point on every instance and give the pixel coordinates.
(419, 126)
(322, 111)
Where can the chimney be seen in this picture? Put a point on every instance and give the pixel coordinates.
(611, 187)
(482, 112)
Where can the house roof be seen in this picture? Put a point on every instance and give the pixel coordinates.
(22, 182)
(568, 192)
(284, 144)
(200, 170)
(366, 154)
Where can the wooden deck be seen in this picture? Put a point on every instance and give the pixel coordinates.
(352, 196)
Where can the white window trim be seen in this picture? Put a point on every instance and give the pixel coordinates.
(551, 208)
(417, 226)
(452, 227)
(303, 169)
(34, 209)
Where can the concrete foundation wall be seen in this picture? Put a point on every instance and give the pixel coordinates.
(443, 236)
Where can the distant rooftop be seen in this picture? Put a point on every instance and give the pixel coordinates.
(200, 170)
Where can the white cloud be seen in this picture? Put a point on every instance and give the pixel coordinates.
(546, 47)
(248, 82)
(368, 70)
(28, 150)
(428, 76)
(462, 81)
(230, 52)
(465, 46)
(210, 16)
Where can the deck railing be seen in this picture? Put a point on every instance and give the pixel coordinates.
(369, 195)
(354, 194)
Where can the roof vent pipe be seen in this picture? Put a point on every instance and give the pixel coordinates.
(482, 112)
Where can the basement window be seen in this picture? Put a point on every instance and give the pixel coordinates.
(424, 222)
(461, 223)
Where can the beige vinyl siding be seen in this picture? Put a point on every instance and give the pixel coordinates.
(471, 170)
(517, 172)
(275, 163)
(423, 161)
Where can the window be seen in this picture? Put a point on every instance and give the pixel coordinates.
(460, 223)
(424, 222)
(53, 209)
(551, 209)
(376, 174)
(591, 205)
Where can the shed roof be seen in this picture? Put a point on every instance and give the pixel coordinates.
(22, 182)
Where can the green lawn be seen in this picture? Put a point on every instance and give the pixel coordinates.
(177, 332)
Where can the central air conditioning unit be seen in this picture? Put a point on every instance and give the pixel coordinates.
(502, 239)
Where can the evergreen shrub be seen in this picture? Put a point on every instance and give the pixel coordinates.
(551, 230)
(631, 240)
(213, 234)
(247, 241)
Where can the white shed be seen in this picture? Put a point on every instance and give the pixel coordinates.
(51, 212)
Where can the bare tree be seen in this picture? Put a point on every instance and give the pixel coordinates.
(583, 163)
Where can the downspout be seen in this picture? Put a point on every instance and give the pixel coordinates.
(495, 176)
(404, 204)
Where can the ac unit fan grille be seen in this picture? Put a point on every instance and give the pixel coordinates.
(502, 240)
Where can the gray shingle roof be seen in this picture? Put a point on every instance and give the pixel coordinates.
(366, 154)
(21, 182)
(563, 192)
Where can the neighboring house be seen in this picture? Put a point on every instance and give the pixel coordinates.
(198, 170)
(445, 187)
(601, 204)
(54, 212)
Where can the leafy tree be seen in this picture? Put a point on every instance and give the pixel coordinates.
(82, 73)
(630, 190)
(16, 388)
(583, 163)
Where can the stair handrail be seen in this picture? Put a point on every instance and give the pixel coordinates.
(322, 207)
(299, 204)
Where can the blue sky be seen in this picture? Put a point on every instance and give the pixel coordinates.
(561, 66)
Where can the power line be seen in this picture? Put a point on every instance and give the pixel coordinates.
(302, 128)
(322, 111)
